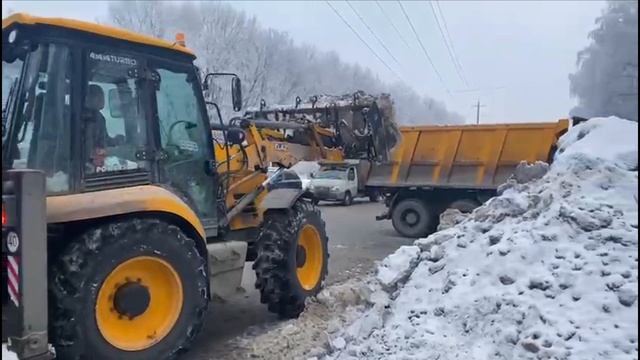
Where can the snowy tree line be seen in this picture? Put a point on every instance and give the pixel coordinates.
(606, 82)
(269, 64)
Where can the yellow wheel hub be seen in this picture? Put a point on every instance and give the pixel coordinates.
(309, 257)
(139, 303)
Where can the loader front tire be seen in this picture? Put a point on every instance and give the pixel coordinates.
(292, 257)
(132, 289)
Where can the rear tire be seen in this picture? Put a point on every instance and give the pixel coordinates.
(348, 199)
(84, 326)
(465, 206)
(277, 264)
(412, 218)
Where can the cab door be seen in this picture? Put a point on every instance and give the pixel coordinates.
(185, 146)
(352, 181)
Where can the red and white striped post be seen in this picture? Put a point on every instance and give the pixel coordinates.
(13, 279)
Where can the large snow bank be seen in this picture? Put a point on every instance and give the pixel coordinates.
(611, 139)
(397, 266)
(546, 270)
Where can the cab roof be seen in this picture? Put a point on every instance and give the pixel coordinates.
(92, 28)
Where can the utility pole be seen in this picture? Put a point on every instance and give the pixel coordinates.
(478, 106)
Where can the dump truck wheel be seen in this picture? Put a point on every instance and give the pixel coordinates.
(348, 199)
(292, 256)
(135, 289)
(412, 218)
(464, 205)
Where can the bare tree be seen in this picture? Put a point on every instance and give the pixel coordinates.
(141, 16)
(270, 65)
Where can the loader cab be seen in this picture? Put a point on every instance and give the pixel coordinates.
(96, 112)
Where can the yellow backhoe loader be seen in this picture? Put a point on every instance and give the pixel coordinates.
(122, 217)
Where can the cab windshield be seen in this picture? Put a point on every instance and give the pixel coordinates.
(28, 141)
(331, 174)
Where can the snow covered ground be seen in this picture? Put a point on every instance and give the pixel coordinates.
(546, 270)
(8, 355)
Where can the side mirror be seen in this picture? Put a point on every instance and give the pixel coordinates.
(115, 108)
(235, 136)
(236, 88)
(236, 93)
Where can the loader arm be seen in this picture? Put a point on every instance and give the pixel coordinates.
(244, 172)
(330, 129)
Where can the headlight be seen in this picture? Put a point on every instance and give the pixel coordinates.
(335, 188)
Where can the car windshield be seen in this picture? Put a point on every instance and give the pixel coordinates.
(331, 174)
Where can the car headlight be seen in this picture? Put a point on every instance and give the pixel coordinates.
(335, 188)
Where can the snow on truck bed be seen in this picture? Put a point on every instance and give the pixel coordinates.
(546, 270)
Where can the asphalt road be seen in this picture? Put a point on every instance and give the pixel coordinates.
(356, 241)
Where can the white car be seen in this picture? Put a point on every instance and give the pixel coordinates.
(335, 185)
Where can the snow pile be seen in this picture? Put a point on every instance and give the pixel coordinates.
(450, 218)
(305, 169)
(397, 266)
(310, 335)
(8, 355)
(546, 270)
(611, 139)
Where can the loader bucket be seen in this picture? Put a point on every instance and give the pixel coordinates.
(363, 125)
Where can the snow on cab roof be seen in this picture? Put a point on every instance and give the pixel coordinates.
(104, 30)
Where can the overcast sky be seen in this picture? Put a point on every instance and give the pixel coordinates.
(516, 55)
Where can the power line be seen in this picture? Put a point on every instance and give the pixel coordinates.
(446, 44)
(392, 24)
(363, 41)
(373, 33)
(480, 89)
(424, 50)
(453, 49)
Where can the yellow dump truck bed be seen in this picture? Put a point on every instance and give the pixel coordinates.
(466, 156)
